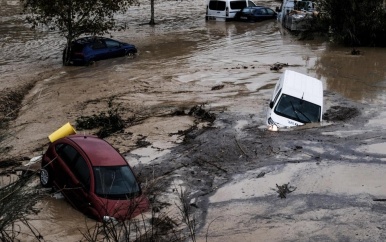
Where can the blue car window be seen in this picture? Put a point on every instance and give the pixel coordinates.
(270, 11)
(112, 43)
(246, 10)
(98, 44)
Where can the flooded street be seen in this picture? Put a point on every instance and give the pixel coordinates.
(337, 168)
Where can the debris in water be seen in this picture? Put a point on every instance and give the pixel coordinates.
(284, 189)
(339, 113)
(218, 87)
(261, 174)
(199, 112)
(58, 195)
(355, 52)
(33, 160)
(277, 66)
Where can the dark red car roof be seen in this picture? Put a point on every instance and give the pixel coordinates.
(98, 151)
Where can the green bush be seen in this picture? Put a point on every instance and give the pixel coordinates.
(355, 22)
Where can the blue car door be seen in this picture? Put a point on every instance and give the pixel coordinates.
(114, 48)
(99, 50)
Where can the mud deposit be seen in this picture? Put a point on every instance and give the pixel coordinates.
(193, 108)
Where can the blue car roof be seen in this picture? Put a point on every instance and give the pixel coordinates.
(88, 39)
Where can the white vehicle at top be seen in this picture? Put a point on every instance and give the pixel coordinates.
(297, 99)
(296, 15)
(225, 10)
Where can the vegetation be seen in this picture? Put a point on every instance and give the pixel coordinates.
(17, 199)
(354, 22)
(76, 17)
(107, 123)
(155, 226)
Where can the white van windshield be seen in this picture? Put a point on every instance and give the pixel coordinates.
(297, 109)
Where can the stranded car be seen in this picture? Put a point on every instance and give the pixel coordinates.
(85, 51)
(297, 99)
(255, 14)
(93, 177)
(225, 10)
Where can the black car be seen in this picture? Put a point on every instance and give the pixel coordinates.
(254, 14)
(85, 51)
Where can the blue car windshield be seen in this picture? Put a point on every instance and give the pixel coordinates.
(297, 109)
(115, 182)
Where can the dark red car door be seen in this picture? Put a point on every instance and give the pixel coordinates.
(68, 170)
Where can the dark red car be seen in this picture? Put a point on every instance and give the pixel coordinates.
(94, 178)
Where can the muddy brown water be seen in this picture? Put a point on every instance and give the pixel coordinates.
(179, 61)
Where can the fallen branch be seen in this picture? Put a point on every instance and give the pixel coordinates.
(240, 147)
(218, 167)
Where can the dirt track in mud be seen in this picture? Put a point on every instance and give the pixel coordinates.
(230, 167)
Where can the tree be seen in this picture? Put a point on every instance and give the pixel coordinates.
(73, 18)
(355, 22)
(152, 22)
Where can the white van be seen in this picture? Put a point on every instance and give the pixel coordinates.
(297, 99)
(225, 10)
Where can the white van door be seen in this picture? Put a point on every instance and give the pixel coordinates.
(216, 10)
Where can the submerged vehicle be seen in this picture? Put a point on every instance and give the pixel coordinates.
(255, 14)
(87, 50)
(225, 10)
(297, 99)
(296, 15)
(93, 177)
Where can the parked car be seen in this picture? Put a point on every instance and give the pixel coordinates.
(254, 14)
(94, 177)
(87, 50)
(225, 10)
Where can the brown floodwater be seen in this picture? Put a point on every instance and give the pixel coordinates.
(179, 58)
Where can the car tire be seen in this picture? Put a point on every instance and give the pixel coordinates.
(45, 177)
(130, 54)
(90, 63)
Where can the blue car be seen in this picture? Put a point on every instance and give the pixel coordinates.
(255, 14)
(87, 50)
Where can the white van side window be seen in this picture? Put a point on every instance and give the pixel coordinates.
(251, 4)
(238, 4)
(217, 5)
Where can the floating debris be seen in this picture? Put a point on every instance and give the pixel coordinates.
(277, 66)
(284, 189)
(339, 113)
(218, 87)
(199, 112)
(355, 52)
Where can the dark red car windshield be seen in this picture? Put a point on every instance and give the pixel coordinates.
(115, 182)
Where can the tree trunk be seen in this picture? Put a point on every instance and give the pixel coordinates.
(66, 52)
(152, 22)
